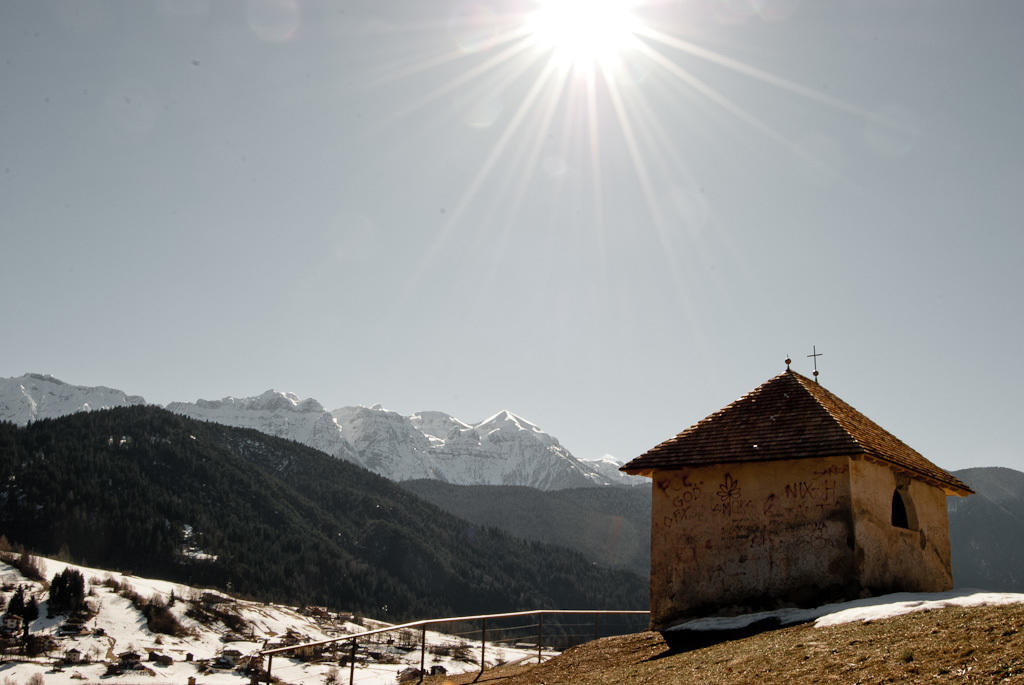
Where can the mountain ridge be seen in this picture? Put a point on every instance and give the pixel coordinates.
(35, 396)
(503, 449)
(139, 487)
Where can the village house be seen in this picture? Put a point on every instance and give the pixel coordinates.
(10, 624)
(316, 612)
(410, 674)
(227, 659)
(72, 626)
(790, 497)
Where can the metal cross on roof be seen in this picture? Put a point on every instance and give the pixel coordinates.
(815, 356)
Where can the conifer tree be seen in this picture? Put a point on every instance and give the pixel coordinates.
(16, 605)
(67, 592)
(29, 613)
(57, 595)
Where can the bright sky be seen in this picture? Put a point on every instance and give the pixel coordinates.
(612, 224)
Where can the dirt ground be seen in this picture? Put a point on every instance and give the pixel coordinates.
(974, 645)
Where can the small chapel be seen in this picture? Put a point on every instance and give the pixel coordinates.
(790, 497)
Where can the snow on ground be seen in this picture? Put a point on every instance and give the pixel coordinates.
(905, 603)
(118, 626)
(868, 609)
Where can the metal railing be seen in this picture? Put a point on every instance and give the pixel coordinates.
(422, 625)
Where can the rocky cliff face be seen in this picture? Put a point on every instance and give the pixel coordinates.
(281, 414)
(504, 449)
(387, 442)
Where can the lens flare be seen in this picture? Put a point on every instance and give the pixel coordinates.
(582, 33)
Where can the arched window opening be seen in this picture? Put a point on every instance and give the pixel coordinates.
(899, 511)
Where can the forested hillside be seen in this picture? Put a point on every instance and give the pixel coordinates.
(142, 489)
(609, 525)
(612, 525)
(986, 530)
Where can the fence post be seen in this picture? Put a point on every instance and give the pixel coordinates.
(483, 647)
(596, 616)
(423, 650)
(270, 663)
(540, 634)
(352, 664)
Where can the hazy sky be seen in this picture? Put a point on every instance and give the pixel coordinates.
(419, 203)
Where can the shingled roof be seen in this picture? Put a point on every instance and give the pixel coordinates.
(788, 417)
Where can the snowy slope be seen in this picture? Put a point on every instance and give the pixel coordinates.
(866, 610)
(437, 426)
(281, 414)
(608, 466)
(504, 449)
(387, 442)
(117, 626)
(36, 396)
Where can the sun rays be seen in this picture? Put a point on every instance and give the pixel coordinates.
(580, 59)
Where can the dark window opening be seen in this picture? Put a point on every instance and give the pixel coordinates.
(899, 511)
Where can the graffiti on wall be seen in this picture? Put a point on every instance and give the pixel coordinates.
(733, 531)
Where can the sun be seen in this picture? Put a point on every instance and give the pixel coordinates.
(584, 33)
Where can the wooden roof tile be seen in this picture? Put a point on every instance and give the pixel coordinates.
(788, 417)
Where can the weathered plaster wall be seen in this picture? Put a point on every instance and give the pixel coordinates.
(741, 537)
(891, 558)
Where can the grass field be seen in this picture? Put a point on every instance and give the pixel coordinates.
(956, 645)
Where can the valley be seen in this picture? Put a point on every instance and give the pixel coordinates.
(213, 637)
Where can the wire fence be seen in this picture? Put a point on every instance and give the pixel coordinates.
(440, 646)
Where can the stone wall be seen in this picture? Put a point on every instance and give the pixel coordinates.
(727, 539)
(889, 559)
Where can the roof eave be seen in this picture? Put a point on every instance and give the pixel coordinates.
(950, 488)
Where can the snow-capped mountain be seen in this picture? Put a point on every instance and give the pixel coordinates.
(281, 414)
(608, 466)
(387, 443)
(36, 396)
(437, 425)
(502, 450)
(506, 449)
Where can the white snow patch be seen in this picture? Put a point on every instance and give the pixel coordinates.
(869, 609)
(906, 603)
(118, 626)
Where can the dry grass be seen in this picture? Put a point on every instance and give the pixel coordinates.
(976, 645)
